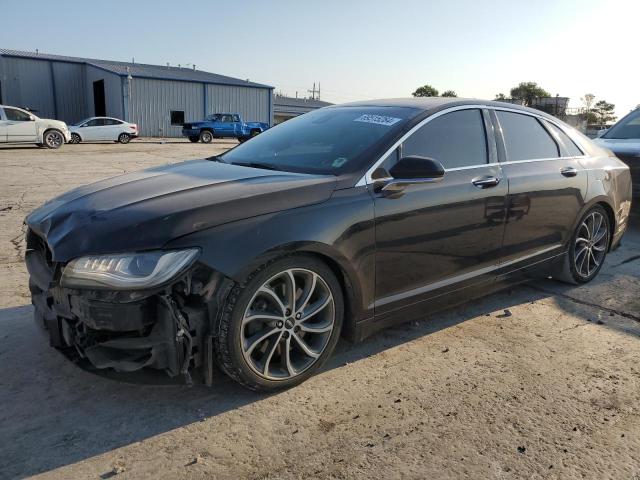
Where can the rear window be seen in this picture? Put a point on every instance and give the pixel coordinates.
(525, 138)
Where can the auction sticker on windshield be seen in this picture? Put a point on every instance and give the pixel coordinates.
(377, 119)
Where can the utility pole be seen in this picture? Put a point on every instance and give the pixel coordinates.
(313, 92)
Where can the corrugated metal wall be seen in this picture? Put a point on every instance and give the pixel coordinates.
(251, 103)
(71, 97)
(31, 83)
(27, 83)
(151, 103)
(112, 92)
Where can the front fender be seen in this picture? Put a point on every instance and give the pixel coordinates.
(340, 230)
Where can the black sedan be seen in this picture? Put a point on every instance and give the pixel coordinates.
(339, 222)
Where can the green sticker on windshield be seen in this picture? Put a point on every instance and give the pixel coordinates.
(338, 162)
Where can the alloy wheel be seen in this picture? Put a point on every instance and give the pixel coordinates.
(53, 139)
(591, 244)
(287, 324)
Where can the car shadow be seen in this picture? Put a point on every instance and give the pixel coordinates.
(55, 414)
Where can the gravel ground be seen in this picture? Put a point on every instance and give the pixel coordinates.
(542, 381)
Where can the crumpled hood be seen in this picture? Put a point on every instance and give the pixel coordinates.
(144, 210)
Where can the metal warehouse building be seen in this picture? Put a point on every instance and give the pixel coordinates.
(158, 98)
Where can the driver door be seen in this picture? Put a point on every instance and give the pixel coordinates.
(20, 126)
(437, 237)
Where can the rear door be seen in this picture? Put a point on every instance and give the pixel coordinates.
(439, 237)
(19, 125)
(547, 187)
(225, 126)
(112, 128)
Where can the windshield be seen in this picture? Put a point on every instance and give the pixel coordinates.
(628, 127)
(331, 140)
(77, 124)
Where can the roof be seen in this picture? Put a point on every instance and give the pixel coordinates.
(438, 103)
(140, 70)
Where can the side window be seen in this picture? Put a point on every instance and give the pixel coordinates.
(525, 138)
(15, 115)
(93, 123)
(177, 117)
(572, 149)
(456, 139)
(236, 118)
(227, 118)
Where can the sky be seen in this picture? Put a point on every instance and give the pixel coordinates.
(358, 49)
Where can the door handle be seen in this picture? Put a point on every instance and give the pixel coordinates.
(569, 171)
(486, 181)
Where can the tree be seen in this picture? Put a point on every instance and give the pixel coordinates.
(588, 103)
(449, 93)
(500, 96)
(528, 92)
(603, 111)
(425, 91)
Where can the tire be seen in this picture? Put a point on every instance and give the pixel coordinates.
(206, 136)
(75, 138)
(124, 138)
(242, 139)
(258, 328)
(194, 139)
(53, 139)
(588, 248)
(254, 133)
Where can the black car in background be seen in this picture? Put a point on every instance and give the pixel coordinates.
(339, 222)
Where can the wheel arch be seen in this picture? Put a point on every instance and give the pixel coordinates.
(606, 203)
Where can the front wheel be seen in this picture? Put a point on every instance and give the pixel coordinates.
(281, 325)
(124, 138)
(588, 249)
(53, 139)
(206, 137)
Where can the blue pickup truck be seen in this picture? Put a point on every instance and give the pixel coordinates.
(222, 125)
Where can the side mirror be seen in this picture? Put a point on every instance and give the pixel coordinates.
(410, 170)
(417, 168)
(32, 118)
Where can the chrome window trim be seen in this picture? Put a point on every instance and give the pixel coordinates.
(367, 180)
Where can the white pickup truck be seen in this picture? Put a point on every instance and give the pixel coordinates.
(20, 126)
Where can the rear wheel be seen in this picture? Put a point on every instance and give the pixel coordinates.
(53, 139)
(206, 136)
(588, 248)
(124, 138)
(194, 139)
(281, 325)
(75, 138)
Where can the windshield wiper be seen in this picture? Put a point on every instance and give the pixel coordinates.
(264, 166)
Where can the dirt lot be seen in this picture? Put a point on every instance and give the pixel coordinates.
(539, 382)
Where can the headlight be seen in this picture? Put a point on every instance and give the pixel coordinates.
(128, 270)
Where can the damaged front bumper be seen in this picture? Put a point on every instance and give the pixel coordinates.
(168, 328)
